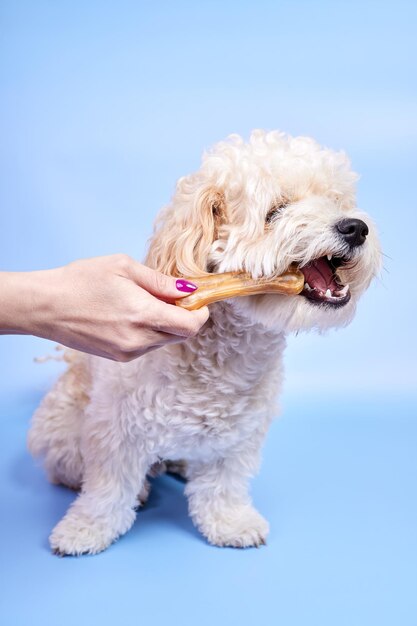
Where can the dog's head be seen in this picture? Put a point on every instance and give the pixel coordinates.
(261, 206)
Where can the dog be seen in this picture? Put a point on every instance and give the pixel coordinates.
(204, 406)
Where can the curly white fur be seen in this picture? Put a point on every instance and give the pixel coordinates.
(209, 400)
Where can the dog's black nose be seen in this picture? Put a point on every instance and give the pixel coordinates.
(353, 231)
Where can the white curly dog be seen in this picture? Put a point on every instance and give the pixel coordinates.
(207, 402)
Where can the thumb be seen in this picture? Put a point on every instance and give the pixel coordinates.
(160, 285)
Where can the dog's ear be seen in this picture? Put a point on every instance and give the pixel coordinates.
(185, 230)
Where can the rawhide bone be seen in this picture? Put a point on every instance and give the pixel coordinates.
(215, 287)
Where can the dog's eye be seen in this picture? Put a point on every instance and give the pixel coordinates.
(275, 211)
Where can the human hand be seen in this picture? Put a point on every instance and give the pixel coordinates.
(110, 306)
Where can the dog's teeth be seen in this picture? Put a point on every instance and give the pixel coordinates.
(329, 257)
(343, 292)
(328, 293)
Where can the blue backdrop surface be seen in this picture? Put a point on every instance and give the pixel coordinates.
(103, 105)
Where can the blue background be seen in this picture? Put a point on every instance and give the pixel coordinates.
(103, 106)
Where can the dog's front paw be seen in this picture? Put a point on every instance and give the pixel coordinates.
(78, 534)
(239, 527)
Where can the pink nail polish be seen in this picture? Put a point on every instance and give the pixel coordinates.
(185, 285)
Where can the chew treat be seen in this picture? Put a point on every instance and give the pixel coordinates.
(214, 287)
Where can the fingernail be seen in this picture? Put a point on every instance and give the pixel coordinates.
(184, 285)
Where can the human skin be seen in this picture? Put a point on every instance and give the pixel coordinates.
(110, 306)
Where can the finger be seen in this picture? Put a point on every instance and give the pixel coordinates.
(171, 319)
(158, 284)
(154, 340)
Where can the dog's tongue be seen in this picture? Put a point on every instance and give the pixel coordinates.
(319, 275)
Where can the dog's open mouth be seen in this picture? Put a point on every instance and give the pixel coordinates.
(322, 284)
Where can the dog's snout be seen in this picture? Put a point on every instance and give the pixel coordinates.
(353, 231)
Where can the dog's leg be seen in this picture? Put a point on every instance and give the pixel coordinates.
(103, 511)
(113, 477)
(220, 505)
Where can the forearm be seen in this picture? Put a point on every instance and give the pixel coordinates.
(25, 301)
